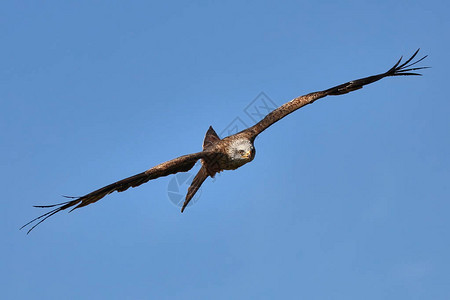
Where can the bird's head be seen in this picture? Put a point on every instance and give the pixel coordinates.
(241, 151)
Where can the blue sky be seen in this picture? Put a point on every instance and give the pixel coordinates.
(346, 199)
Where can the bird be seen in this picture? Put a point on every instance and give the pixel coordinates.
(228, 153)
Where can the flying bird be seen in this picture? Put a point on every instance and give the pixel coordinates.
(228, 153)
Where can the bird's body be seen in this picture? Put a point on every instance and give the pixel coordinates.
(235, 151)
(228, 153)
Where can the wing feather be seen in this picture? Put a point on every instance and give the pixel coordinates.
(398, 69)
(181, 164)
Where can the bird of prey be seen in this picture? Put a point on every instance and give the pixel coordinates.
(228, 153)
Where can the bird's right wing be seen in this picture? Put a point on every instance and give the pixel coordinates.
(181, 164)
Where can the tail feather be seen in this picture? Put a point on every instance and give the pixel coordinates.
(195, 185)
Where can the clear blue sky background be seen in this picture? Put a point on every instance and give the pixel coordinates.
(346, 199)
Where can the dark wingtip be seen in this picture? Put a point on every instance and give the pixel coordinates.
(404, 69)
(43, 217)
(52, 205)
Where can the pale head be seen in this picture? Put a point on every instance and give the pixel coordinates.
(241, 151)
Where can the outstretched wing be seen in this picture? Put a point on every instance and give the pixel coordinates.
(403, 69)
(180, 164)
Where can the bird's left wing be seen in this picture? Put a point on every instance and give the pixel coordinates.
(399, 69)
(181, 164)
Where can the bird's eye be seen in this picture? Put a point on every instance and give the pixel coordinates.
(241, 152)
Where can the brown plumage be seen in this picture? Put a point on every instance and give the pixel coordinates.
(229, 153)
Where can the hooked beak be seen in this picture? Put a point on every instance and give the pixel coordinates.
(247, 154)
